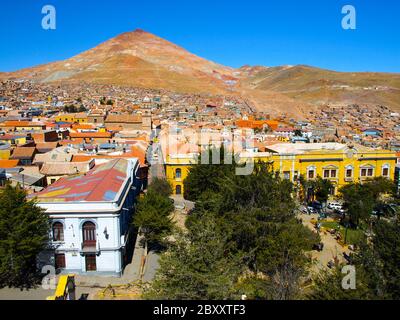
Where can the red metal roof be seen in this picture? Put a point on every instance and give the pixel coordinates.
(100, 184)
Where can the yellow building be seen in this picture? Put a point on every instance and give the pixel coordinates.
(4, 154)
(81, 117)
(13, 139)
(339, 163)
(65, 117)
(177, 169)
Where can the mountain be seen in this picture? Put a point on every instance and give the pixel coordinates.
(142, 59)
(319, 86)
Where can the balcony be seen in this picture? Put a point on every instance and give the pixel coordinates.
(90, 246)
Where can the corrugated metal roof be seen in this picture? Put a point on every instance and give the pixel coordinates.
(102, 183)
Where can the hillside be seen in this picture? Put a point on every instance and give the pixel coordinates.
(141, 59)
(136, 58)
(318, 86)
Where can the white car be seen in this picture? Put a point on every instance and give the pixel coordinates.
(335, 206)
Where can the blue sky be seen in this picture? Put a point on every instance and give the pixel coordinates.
(233, 32)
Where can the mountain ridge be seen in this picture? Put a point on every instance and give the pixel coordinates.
(141, 59)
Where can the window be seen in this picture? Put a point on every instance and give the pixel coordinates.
(330, 173)
(385, 170)
(89, 234)
(58, 231)
(311, 174)
(59, 261)
(286, 175)
(367, 172)
(178, 173)
(178, 189)
(52, 181)
(349, 173)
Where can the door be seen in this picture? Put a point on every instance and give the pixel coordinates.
(90, 262)
(178, 189)
(60, 260)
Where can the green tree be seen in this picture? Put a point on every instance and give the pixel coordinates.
(323, 188)
(328, 286)
(258, 212)
(361, 199)
(318, 189)
(204, 177)
(198, 265)
(386, 246)
(70, 108)
(160, 186)
(359, 203)
(24, 233)
(153, 218)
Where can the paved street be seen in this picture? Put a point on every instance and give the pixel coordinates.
(331, 248)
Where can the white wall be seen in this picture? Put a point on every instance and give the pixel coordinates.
(109, 259)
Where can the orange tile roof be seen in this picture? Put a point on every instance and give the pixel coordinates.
(5, 164)
(82, 158)
(124, 118)
(22, 124)
(23, 153)
(82, 126)
(135, 152)
(90, 134)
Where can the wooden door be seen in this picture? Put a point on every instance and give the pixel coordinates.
(90, 262)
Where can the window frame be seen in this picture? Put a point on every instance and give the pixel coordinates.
(60, 229)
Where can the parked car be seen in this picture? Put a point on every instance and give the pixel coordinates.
(311, 210)
(335, 206)
(316, 205)
(304, 210)
(341, 211)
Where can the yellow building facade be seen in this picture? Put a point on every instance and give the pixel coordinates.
(336, 162)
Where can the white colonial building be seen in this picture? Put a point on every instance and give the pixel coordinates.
(91, 218)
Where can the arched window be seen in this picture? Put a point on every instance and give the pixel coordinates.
(349, 172)
(178, 189)
(311, 172)
(178, 173)
(58, 231)
(385, 170)
(89, 233)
